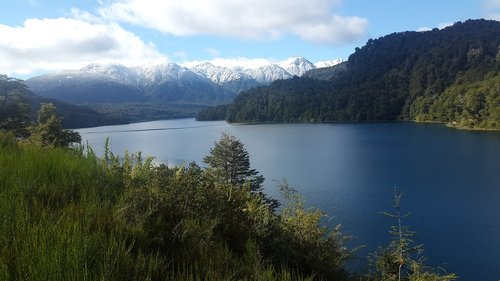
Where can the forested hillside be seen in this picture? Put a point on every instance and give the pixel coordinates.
(18, 106)
(449, 75)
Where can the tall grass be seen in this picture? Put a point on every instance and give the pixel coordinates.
(58, 222)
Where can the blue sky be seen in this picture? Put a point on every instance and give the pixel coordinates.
(40, 36)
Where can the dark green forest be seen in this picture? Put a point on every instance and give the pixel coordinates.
(450, 75)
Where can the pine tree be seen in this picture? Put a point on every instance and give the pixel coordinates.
(229, 162)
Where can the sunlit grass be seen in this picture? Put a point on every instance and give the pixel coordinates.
(58, 222)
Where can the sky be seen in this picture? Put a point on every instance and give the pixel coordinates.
(43, 36)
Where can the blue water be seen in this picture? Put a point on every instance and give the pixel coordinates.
(450, 178)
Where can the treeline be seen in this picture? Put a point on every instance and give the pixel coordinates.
(144, 111)
(449, 75)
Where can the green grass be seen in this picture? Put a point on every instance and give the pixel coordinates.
(66, 215)
(58, 222)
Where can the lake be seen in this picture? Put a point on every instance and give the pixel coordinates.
(450, 178)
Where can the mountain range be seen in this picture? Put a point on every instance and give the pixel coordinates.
(170, 83)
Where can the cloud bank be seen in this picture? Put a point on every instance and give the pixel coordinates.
(69, 43)
(311, 20)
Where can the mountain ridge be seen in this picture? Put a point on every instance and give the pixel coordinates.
(130, 81)
(158, 91)
(449, 75)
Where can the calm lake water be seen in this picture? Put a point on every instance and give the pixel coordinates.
(450, 178)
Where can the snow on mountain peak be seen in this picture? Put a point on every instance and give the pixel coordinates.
(116, 72)
(166, 72)
(328, 63)
(218, 74)
(268, 73)
(237, 78)
(297, 66)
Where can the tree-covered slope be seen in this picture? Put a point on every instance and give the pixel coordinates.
(18, 106)
(448, 75)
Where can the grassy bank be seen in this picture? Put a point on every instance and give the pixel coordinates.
(66, 214)
(69, 216)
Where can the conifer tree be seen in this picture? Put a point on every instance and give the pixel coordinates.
(229, 161)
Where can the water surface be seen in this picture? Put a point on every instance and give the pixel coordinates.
(450, 178)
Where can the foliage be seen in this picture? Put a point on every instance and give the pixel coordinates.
(49, 131)
(70, 215)
(449, 75)
(465, 104)
(229, 162)
(213, 113)
(400, 259)
(142, 111)
(14, 107)
(18, 108)
(309, 245)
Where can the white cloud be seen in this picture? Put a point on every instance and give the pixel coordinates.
(312, 20)
(67, 43)
(233, 62)
(335, 31)
(491, 9)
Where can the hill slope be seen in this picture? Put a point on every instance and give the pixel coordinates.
(19, 106)
(449, 75)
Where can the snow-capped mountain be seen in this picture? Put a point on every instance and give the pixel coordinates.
(116, 72)
(219, 74)
(152, 74)
(296, 66)
(268, 73)
(328, 63)
(204, 83)
(263, 74)
(116, 83)
(233, 79)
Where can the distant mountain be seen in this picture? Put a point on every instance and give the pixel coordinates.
(268, 73)
(238, 79)
(162, 90)
(205, 83)
(328, 63)
(117, 83)
(449, 75)
(231, 79)
(296, 66)
(20, 107)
